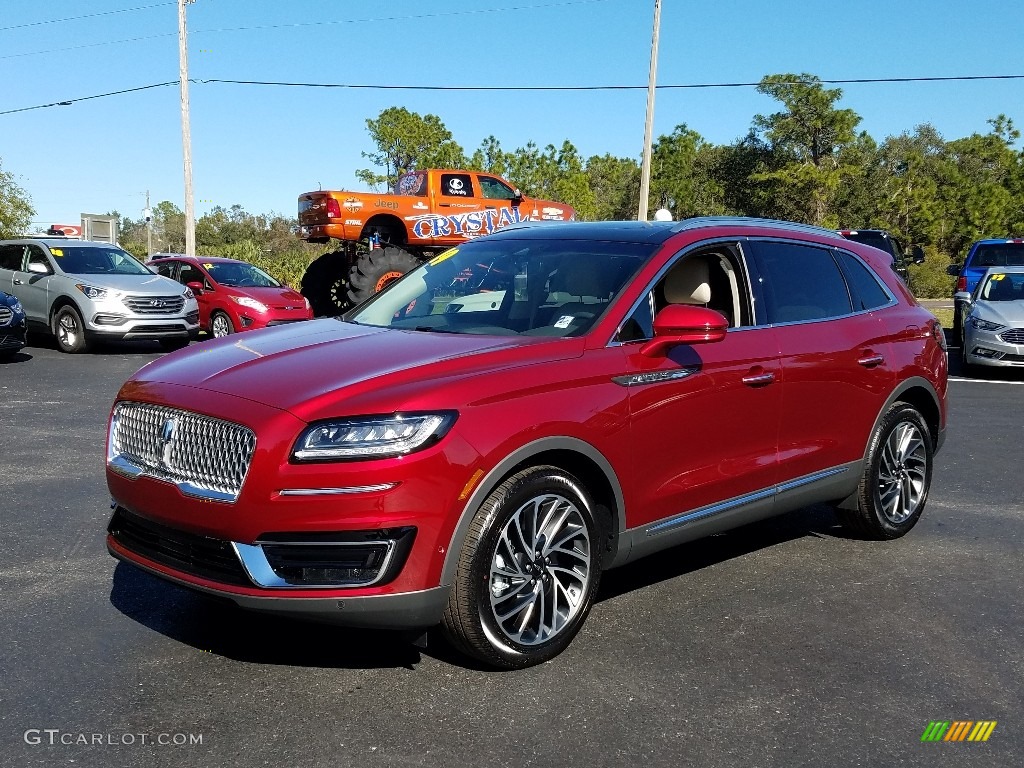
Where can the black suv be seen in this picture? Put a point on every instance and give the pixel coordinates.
(883, 241)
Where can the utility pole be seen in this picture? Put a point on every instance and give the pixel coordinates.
(186, 131)
(148, 215)
(645, 167)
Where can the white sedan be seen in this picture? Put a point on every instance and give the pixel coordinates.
(993, 331)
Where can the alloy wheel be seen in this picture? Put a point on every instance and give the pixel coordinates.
(902, 472)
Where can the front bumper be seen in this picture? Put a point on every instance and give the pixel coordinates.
(12, 337)
(990, 348)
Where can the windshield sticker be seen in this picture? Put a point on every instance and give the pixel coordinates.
(443, 256)
(208, 266)
(998, 276)
(57, 251)
(564, 321)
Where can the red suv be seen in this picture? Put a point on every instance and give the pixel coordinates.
(478, 443)
(233, 295)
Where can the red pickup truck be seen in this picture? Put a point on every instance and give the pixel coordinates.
(383, 236)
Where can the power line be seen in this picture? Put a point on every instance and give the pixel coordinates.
(86, 16)
(284, 26)
(69, 102)
(535, 88)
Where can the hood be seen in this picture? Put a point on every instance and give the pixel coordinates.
(294, 367)
(273, 297)
(141, 285)
(1003, 312)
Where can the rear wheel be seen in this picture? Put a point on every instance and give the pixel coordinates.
(528, 571)
(220, 325)
(69, 330)
(325, 284)
(376, 269)
(894, 487)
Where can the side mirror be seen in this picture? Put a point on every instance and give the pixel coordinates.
(953, 269)
(963, 297)
(517, 197)
(38, 268)
(196, 286)
(917, 254)
(684, 324)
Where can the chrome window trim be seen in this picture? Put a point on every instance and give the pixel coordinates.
(258, 569)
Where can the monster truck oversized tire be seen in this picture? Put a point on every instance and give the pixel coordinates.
(325, 284)
(375, 269)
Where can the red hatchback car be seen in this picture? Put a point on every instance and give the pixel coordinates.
(475, 445)
(233, 295)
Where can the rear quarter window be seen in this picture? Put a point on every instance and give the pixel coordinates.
(865, 289)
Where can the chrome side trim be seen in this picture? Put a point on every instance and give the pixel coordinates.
(802, 481)
(655, 377)
(257, 567)
(337, 491)
(713, 509)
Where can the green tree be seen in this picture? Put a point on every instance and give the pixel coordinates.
(16, 209)
(811, 132)
(615, 184)
(407, 141)
(682, 175)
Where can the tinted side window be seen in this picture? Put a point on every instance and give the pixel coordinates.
(800, 282)
(10, 256)
(165, 269)
(867, 293)
(456, 185)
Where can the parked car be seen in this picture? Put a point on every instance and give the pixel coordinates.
(639, 385)
(993, 330)
(233, 295)
(82, 291)
(12, 325)
(883, 241)
(980, 256)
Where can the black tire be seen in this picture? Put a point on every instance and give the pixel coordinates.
(529, 510)
(894, 487)
(377, 268)
(69, 330)
(172, 344)
(221, 325)
(325, 284)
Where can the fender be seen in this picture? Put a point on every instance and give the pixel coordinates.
(497, 474)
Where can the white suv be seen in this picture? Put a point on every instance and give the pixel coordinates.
(83, 291)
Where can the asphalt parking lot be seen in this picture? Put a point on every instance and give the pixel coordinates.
(781, 644)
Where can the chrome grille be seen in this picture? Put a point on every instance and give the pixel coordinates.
(1013, 336)
(155, 305)
(5, 315)
(203, 456)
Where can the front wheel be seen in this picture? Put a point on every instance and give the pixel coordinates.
(528, 571)
(220, 325)
(894, 487)
(69, 330)
(376, 269)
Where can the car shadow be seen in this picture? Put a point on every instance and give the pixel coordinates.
(21, 356)
(218, 626)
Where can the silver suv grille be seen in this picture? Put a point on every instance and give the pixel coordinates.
(5, 315)
(155, 305)
(203, 456)
(1013, 336)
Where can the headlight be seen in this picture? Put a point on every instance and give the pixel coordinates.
(245, 301)
(372, 437)
(984, 325)
(16, 306)
(96, 293)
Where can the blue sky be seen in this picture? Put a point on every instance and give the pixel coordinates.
(260, 147)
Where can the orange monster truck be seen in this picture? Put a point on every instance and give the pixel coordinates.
(383, 236)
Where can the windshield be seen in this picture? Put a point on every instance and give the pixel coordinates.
(79, 260)
(240, 274)
(506, 287)
(1003, 287)
(999, 255)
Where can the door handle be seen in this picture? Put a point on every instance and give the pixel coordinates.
(759, 379)
(870, 361)
(18, 282)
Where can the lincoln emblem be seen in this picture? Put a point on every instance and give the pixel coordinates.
(167, 442)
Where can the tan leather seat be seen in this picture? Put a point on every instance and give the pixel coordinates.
(689, 283)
